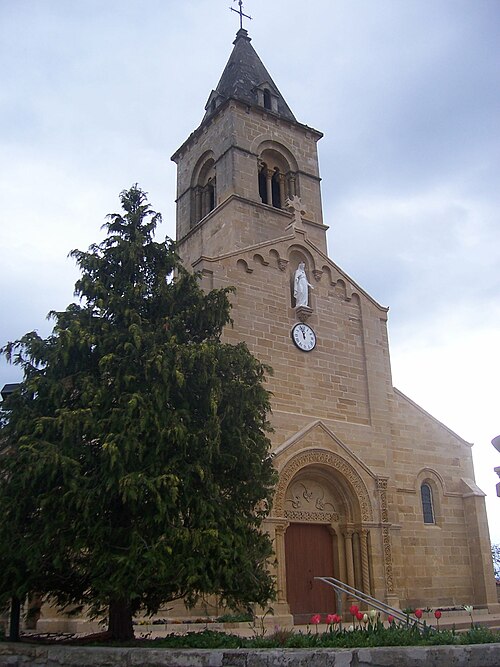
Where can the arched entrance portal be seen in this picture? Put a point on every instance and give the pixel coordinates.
(325, 535)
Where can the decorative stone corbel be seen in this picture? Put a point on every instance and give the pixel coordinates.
(317, 273)
(303, 313)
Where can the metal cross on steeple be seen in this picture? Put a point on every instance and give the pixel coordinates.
(240, 12)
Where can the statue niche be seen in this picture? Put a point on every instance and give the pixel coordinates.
(300, 294)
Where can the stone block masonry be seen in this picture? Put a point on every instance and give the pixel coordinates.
(24, 655)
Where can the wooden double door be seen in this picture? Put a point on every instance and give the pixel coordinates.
(309, 554)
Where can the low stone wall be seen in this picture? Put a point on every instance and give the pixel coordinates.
(479, 655)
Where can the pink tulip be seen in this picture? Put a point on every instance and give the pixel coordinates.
(315, 619)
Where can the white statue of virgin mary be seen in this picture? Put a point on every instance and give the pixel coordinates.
(301, 286)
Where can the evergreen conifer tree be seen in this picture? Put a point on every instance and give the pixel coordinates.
(135, 467)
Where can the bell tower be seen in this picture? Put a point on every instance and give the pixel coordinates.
(356, 458)
(248, 158)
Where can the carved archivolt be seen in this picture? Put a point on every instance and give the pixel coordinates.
(325, 459)
(328, 517)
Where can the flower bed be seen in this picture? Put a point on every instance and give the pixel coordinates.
(362, 629)
(340, 638)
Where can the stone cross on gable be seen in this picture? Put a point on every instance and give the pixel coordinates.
(295, 206)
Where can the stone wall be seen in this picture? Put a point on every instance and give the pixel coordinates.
(346, 385)
(20, 655)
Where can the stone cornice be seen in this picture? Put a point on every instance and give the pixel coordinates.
(206, 123)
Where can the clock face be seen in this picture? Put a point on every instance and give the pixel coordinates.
(304, 337)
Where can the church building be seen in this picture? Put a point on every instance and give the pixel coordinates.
(372, 489)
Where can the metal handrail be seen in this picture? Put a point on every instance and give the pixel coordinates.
(341, 587)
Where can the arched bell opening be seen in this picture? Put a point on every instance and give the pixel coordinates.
(204, 193)
(277, 181)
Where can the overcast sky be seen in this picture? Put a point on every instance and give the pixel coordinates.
(96, 95)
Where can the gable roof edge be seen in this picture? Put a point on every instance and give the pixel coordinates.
(434, 419)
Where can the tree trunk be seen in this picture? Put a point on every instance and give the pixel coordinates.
(120, 624)
(15, 615)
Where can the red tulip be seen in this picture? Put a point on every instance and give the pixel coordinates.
(391, 619)
(359, 615)
(437, 614)
(353, 609)
(316, 618)
(331, 618)
(418, 613)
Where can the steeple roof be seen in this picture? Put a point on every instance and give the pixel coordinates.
(243, 75)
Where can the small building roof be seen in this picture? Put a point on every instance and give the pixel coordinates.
(7, 389)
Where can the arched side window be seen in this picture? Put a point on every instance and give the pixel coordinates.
(427, 503)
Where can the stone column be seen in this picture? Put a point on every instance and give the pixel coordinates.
(291, 185)
(281, 181)
(279, 532)
(349, 557)
(197, 203)
(214, 191)
(269, 186)
(342, 563)
(205, 207)
(365, 566)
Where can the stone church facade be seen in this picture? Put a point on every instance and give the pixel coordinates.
(372, 489)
